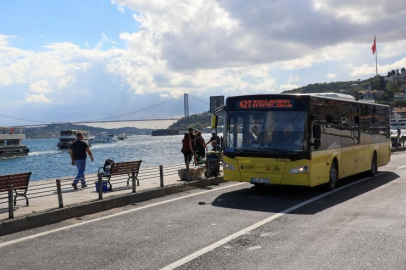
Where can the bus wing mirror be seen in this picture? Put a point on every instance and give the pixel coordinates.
(214, 119)
(316, 144)
(316, 131)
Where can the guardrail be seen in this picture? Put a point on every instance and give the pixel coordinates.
(40, 189)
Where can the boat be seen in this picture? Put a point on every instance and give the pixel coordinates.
(10, 143)
(164, 132)
(68, 136)
(122, 136)
(103, 137)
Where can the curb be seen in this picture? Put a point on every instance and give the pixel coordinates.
(57, 215)
(398, 149)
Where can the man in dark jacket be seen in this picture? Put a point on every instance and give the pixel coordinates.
(77, 152)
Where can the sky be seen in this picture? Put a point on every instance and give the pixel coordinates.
(74, 60)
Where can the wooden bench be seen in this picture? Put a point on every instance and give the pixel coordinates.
(120, 168)
(18, 181)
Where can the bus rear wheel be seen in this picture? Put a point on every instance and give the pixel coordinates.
(333, 177)
(374, 166)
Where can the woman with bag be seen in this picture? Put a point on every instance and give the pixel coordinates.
(187, 149)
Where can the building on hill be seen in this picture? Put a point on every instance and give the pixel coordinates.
(370, 94)
(397, 76)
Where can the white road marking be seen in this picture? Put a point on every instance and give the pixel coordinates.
(401, 167)
(252, 227)
(19, 240)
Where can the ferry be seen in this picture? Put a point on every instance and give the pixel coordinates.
(68, 137)
(10, 143)
(122, 136)
(103, 137)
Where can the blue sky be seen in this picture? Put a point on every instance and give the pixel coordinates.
(36, 23)
(78, 60)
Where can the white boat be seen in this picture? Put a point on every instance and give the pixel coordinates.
(10, 143)
(122, 136)
(103, 137)
(69, 136)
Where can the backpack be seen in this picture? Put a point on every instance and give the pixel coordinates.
(108, 166)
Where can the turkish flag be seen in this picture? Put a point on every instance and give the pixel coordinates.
(374, 46)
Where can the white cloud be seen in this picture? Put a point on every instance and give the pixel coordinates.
(121, 9)
(41, 87)
(293, 79)
(331, 75)
(208, 46)
(382, 69)
(36, 98)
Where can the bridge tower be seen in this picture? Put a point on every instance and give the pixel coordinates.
(186, 104)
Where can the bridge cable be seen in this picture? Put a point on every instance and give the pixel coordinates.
(199, 99)
(94, 120)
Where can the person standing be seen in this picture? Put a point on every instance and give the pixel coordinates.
(187, 149)
(200, 145)
(192, 137)
(77, 152)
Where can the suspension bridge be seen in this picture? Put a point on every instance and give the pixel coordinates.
(135, 115)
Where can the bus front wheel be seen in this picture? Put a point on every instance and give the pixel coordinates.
(333, 177)
(374, 166)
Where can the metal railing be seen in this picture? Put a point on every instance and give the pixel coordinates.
(40, 189)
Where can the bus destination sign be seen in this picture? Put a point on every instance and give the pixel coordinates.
(265, 104)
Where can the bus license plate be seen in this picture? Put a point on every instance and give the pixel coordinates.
(260, 180)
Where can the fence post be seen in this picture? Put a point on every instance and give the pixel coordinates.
(59, 189)
(133, 179)
(99, 179)
(10, 202)
(161, 175)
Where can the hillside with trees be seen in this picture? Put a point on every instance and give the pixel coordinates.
(53, 130)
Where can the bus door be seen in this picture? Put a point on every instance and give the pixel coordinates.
(346, 112)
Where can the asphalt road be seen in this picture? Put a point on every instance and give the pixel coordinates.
(362, 225)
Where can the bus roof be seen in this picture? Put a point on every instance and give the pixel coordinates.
(331, 95)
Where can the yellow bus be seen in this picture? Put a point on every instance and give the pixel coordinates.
(303, 139)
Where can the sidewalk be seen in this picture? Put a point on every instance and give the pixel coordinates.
(44, 206)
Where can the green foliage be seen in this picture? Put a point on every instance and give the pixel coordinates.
(53, 130)
(196, 121)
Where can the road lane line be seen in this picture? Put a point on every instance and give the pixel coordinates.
(252, 227)
(19, 240)
(401, 167)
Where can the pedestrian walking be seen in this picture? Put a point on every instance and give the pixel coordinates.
(78, 155)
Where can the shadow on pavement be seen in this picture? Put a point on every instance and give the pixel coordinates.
(275, 199)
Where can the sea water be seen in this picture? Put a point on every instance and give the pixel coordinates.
(46, 161)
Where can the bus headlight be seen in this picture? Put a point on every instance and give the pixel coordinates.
(228, 166)
(301, 169)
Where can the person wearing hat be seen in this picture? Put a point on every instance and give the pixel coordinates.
(77, 152)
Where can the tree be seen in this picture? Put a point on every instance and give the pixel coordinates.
(198, 126)
(382, 84)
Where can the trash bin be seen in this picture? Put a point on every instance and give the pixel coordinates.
(104, 186)
(213, 163)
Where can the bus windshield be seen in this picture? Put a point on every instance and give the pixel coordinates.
(266, 133)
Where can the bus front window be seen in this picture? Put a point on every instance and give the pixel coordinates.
(266, 132)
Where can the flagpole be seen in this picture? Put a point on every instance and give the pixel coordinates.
(376, 58)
